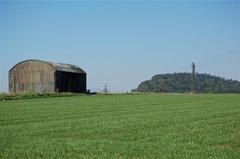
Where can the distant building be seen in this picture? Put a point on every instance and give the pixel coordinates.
(193, 69)
(42, 76)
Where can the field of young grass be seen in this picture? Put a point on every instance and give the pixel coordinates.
(121, 126)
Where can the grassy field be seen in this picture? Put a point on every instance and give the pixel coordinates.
(121, 126)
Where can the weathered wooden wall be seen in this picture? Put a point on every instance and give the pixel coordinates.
(31, 76)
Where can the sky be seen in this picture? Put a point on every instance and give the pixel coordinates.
(122, 43)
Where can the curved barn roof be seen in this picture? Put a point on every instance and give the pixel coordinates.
(58, 66)
(66, 67)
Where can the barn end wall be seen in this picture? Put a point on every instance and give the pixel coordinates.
(31, 76)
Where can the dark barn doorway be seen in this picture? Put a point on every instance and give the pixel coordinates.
(70, 82)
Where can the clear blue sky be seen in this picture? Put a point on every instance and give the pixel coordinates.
(121, 43)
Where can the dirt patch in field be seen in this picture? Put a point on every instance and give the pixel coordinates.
(224, 146)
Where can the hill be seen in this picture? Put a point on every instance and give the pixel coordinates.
(184, 82)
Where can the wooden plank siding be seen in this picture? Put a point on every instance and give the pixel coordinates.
(32, 76)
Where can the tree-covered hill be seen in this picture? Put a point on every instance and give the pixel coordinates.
(185, 82)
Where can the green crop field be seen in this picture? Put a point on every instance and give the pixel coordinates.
(121, 126)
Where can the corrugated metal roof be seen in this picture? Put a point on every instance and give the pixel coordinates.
(58, 66)
(66, 67)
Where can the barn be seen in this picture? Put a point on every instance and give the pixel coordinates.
(42, 76)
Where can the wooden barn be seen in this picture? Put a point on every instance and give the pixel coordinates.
(42, 76)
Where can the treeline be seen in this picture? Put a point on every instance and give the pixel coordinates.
(186, 82)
